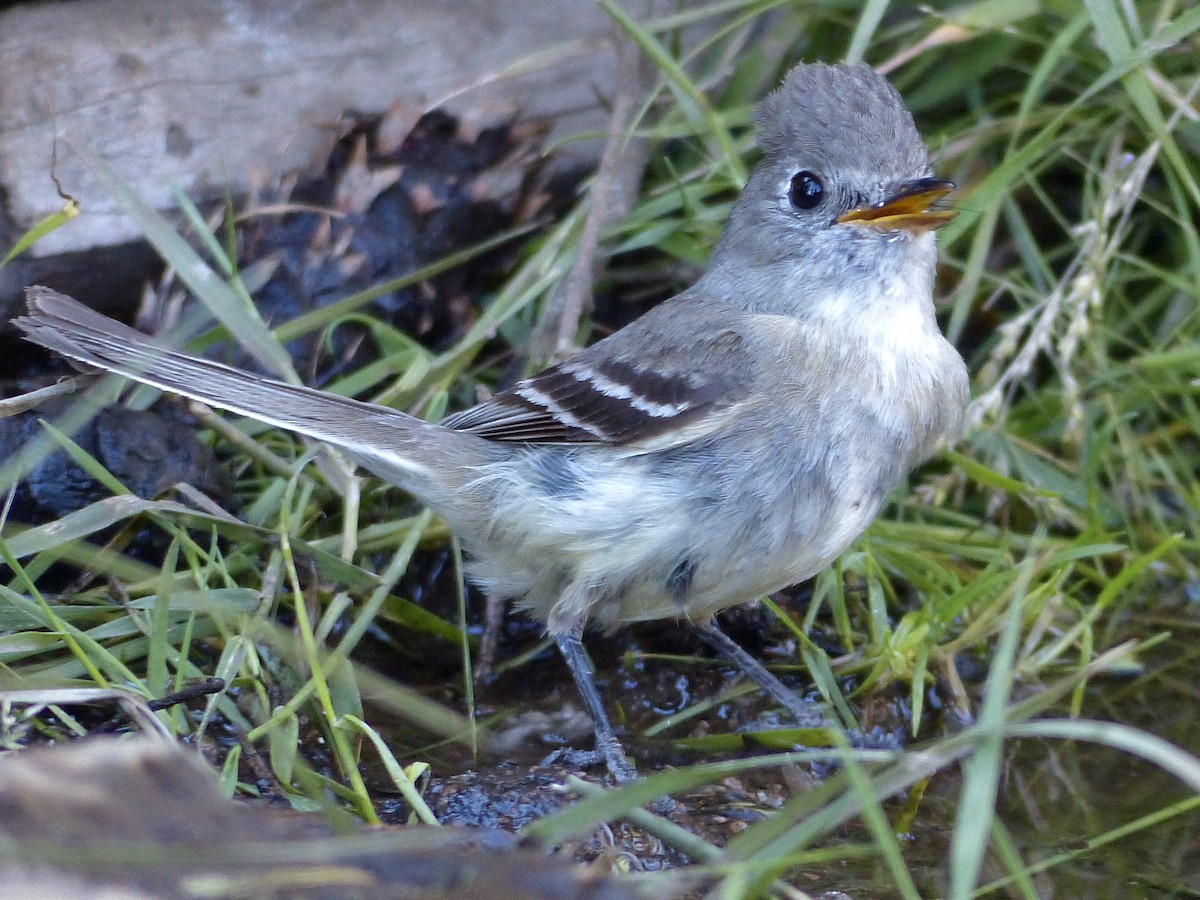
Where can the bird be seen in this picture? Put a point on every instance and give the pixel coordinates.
(730, 442)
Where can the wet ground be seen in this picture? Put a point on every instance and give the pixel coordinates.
(1055, 797)
(1057, 800)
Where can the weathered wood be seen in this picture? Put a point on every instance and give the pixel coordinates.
(205, 96)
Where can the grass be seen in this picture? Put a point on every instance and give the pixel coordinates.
(1055, 543)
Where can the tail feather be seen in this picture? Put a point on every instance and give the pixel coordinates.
(378, 437)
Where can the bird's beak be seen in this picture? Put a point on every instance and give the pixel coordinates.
(909, 209)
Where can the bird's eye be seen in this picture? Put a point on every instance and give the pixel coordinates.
(806, 191)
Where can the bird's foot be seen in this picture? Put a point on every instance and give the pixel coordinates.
(621, 770)
(608, 751)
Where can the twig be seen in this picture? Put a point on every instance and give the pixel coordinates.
(612, 194)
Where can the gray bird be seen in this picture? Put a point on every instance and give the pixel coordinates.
(729, 443)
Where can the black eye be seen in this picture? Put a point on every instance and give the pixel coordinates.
(806, 191)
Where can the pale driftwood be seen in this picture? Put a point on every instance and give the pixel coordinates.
(205, 95)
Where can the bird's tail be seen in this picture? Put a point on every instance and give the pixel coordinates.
(384, 440)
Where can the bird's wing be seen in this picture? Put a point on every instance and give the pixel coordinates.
(681, 364)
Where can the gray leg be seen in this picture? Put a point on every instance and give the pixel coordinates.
(489, 642)
(608, 748)
(806, 714)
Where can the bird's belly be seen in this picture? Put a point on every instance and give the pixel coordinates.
(748, 569)
(672, 543)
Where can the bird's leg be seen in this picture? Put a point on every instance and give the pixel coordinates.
(608, 748)
(489, 642)
(806, 714)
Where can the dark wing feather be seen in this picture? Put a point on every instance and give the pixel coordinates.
(643, 382)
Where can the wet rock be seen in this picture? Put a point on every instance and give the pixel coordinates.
(146, 450)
